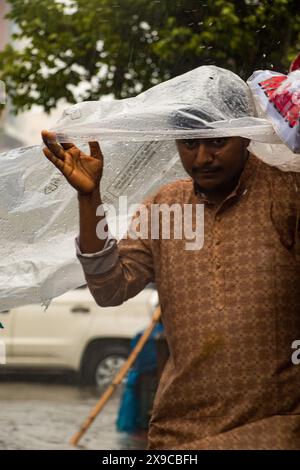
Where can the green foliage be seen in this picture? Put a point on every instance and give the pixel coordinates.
(126, 46)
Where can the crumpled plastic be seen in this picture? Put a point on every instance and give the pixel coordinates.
(205, 102)
(38, 209)
(38, 215)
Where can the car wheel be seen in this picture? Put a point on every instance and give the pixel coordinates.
(102, 363)
(107, 369)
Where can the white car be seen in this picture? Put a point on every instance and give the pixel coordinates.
(74, 333)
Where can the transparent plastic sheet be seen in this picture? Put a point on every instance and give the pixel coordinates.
(38, 209)
(206, 102)
(39, 214)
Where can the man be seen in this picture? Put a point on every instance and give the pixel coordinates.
(231, 310)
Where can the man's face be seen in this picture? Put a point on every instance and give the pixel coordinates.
(213, 163)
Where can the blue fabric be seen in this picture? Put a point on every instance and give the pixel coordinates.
(128, 411)
(146, 361)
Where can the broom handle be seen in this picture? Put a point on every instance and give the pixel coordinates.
(118, 378)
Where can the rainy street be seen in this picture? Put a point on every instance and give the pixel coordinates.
(44, 415)
(149, 231)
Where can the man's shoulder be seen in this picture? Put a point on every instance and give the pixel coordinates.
(282, 180)
(284, 186)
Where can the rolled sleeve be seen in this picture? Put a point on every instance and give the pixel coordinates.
(100, 262)
(119, 271)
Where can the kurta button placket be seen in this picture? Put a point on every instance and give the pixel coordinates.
(219, 281)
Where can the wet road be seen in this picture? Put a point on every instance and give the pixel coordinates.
(46, 415)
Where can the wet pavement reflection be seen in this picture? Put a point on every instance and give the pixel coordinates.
(44, 414)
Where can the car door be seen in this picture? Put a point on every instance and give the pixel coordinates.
(55, 336)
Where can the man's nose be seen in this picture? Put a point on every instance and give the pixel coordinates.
(204, 156)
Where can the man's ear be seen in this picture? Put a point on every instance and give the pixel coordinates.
(247, 142)
(177, 144)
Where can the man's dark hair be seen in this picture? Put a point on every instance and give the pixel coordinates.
(189, 118)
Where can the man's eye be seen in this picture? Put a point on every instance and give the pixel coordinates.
(190, 143)
(220, 141)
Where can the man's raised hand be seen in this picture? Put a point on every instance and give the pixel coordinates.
(82, 171)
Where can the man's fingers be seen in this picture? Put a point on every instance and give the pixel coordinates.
(53, 146)
(95, 150)
(67, 145)
(58, 150)
(74, 151)
(56, 161)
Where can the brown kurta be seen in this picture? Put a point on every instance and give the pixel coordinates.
(231, 312)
